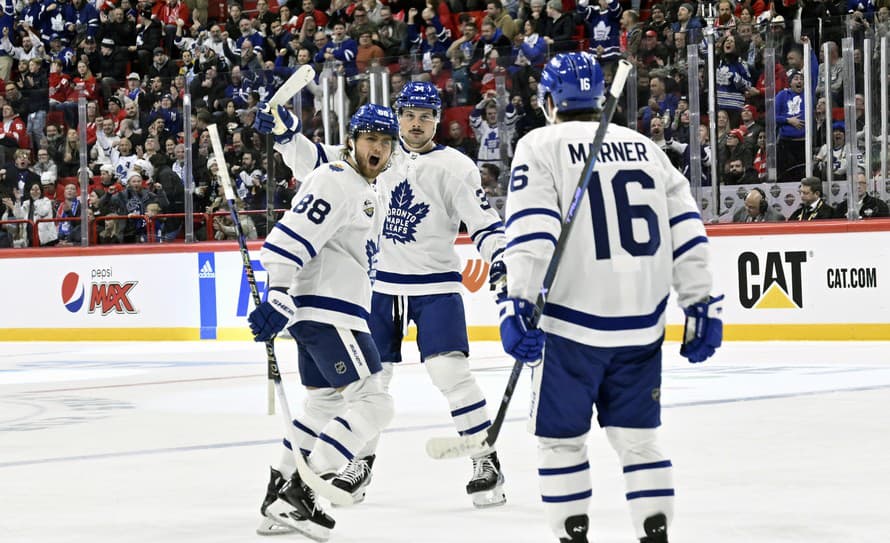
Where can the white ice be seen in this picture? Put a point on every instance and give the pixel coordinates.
(152, 442)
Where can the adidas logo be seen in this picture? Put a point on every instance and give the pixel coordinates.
(206, 271)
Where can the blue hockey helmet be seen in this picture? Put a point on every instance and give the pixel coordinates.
(574, 80)
(421, 94)
(374, 118)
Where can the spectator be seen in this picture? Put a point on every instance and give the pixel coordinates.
(34, 207)
(732, 80)
(739, 148)
(812, 203)
(835, 156)
(309, 10)
(367, 52)
(458, 139)
(361, 23)
(13, 134)
(660, 104)
(559, 36)
(687, 23)
(757, 209)
(738, 174)
(603, 22)
(390, 32)
(70, 154)
(836, 76)
(494, 139)
(69, 208)
(502, 20)
(45, 164)
(869, 206)
(17, 175)
(132, 202)
(112, 67)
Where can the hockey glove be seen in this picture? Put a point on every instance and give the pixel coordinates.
(279, 122)
(704, 329)
(273, 315)
(520, 338)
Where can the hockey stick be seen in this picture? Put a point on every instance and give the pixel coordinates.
(292, 86)
(312, 479)
(454, 447)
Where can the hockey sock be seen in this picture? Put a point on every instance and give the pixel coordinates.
(386, 377)
(564, 477)
(648, 475)
(450, 372)
(369, 410)
(320, 406)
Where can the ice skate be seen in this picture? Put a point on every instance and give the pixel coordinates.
(268, 525)
(356, 477)
(656, 529)
(297, 508)
(487, 485)
(576, 527)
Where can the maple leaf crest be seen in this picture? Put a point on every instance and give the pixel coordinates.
(371, 250)
(403, 216)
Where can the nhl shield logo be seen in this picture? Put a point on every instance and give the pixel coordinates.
(369, 208)
(340, 367)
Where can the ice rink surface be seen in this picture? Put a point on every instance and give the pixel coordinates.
(169, 442)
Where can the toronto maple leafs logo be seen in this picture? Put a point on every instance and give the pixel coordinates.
(403, 216)
(371, 250)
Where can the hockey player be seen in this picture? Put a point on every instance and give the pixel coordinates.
(636, 232)
(318, 267)
(429, 190)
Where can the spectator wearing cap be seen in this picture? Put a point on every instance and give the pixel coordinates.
(112, 66)
(652, 52)
(603, 22)
(115, 111)
(167, 112)
(659, 23)
(149, 35)
(687, 23)
(559, 36)
(738, 148)
(134, 92)
(161, 66)
(58, 49)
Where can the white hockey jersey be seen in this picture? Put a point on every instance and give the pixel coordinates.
(635, 232)
(425, 197)
(323, 249)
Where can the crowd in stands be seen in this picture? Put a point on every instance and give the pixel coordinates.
(134, 60)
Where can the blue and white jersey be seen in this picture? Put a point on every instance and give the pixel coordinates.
(320, 248)
(425, 198)
(636, 231)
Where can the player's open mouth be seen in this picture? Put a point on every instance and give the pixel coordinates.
(373, 160)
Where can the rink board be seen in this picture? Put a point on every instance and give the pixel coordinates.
(813, 281)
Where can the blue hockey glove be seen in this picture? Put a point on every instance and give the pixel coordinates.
(281, 123)
(704, 329)
(520, 339)
(497, 279)
(273, 315)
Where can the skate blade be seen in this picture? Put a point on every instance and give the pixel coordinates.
(489, 498)
(269, 526)
(283, 513)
